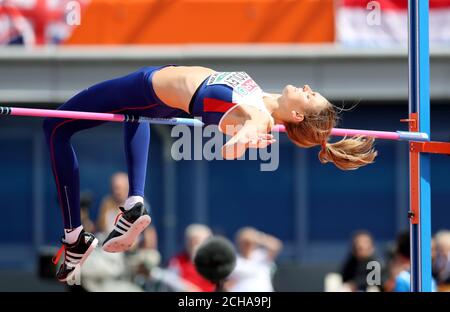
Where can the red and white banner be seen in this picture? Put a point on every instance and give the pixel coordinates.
(37, 22)
(385, 22)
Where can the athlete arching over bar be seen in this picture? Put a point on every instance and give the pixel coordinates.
(231, 100)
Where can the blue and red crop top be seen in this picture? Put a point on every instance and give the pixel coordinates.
(221, 92)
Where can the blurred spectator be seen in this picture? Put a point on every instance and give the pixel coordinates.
(183, 265)
(400, 267)
(149, 239)
(401, 264)
(109, 206)
(255, 262)
(104, 271)
(116, 271)
(354, 271)
(144, 263)
(143, 258)
(109, 209)
(441, 265)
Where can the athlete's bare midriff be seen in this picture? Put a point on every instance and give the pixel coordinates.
(175, 85)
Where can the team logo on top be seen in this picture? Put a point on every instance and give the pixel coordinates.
(241, 82)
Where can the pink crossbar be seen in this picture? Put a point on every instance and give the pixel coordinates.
(33, 112)
(387, 135)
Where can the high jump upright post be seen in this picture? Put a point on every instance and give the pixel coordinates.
(419, 163)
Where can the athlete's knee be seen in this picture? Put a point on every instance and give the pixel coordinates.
(50, 125)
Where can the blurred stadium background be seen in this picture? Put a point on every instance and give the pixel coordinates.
(334, 46)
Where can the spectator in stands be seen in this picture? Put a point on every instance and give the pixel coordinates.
(441, 265)
(255, 264)
(354, 271)
(143, 257)
(182, 264)
(400, 267)
(109, 205)
(144, 263)
(105, 271)
(109, 209)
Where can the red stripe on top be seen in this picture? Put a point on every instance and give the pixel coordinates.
(393, 5)
(217, 106)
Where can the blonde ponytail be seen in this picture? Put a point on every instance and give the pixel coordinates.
(349, 154)
(346, 154)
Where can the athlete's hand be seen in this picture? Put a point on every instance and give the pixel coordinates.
(262, 140)
(247, 137)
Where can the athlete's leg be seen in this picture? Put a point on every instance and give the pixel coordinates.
(137, 142)
(64, 164)
(113, 96)
(125, 94)
(128, 93)
(134, 217)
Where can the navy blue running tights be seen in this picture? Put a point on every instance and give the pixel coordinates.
(131, 94)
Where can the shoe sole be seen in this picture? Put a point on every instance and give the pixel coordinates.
(126, 240)
(85, 256)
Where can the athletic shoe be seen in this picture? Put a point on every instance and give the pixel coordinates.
(129, 224)
(74, 255)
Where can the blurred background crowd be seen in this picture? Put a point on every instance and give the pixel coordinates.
(304, 227)
(142, 268)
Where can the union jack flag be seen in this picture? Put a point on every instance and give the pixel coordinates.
(384, 22)
(36, 22)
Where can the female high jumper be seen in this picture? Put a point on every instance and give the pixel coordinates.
(231, 100)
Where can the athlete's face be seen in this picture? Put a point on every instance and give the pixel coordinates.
(303, 100)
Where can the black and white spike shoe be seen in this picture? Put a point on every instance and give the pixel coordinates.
(74, 255)
(129, 224)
